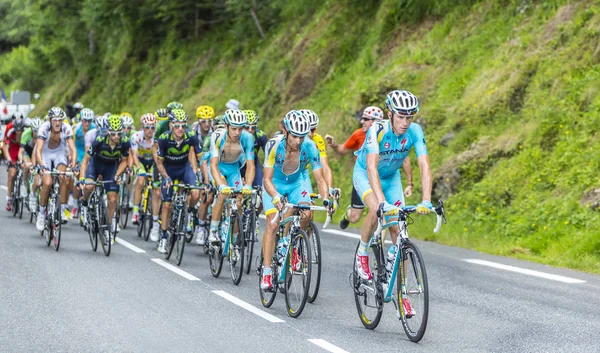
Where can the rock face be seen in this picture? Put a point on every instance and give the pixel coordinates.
(591, 199)
(447, 138)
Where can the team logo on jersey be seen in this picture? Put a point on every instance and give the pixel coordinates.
(397, 203)
(304, 192)
(386, 145)
(403, 143)
(175, 152)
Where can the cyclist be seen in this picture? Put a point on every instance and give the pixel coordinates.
(108, 157)
(230, 148)
(203, 128)
(370, 115)
(80, 130)
(376, 172)
(313, 118)
(176, 160)
(55, 140)
(77, 108)
(260, 141)
(128, 131)
(28, 140)
(286, 159)
(90, 136)
(161, 115)
(141, 148)
(12, 139)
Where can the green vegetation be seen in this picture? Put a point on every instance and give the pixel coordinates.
(515, 81)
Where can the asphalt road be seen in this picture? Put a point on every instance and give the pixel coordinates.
(75, 300)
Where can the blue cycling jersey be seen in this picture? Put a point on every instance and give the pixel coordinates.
(392, 149)
(275, 158)
(217, 145)
(80, 140)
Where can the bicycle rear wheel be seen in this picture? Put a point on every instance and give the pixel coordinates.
(250, 239)
(16, 194)
(56, 225)
(297, 273)
(315, 276)
(236, 249)
(148, 217)
(416, 290)
(175, 217)
(93, 234)
(368, 295)
(268, 297)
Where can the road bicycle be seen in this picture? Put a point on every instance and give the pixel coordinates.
(98, 224)
(178, 218)
(17, 205)
(250, 207)
(53, 224)
(123, 202)
(144, 225)
(292, 260)
(231, 241)
(410, 294)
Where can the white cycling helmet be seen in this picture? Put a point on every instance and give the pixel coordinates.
(373, 112)
(232, 104)
(235, 117)
(35, 123)
(296, 123)
(127, 120)
(87, 114)
(312, 117)
(403, 102)
(78, 105)
(101, 121)
(56, 112)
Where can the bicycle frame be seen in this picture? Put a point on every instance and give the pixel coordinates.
(230, 207)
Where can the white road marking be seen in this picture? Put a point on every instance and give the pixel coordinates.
(525, 271)
(3, 187)
(249, 307)
(178, 271)
(130, 246)
(327, 346)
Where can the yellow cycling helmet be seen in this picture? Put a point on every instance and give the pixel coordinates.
(205, 112)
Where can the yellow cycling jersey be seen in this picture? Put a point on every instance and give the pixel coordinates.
(318, 140)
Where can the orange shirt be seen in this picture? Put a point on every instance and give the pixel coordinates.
(356, 140)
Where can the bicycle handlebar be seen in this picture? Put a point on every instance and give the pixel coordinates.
(439, 211)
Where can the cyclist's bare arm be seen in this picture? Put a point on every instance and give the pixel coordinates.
(192, 158)
(321, 183)
(136, 161)
(268, 182)
(373, 174)
(84, 164)
(339, 149)
(71, 144)
(21, 153)
(122, 166)
(327, 174)
(407, 171)
(426, 178)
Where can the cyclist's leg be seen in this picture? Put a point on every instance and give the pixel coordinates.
(302, 196)
(12, 174)
(190, 178)
(356, 207)
(268, 244)
(393, 192)
(112, 189)
(258, 182)
(363, 188)
(156, 198)
(25, 168)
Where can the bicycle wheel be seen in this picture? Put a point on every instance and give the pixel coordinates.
(56, 225)
(124, 209)
(250, 238)
(315, 276)
(267, 297)
(46, 232)
(236, 249)
(298, 265)
(180, 239)
(368, 295)
(215, 259)
(93, 234)
(414, 278)
(103, 230)
(148, 217)
(16, 193)
(175, 217)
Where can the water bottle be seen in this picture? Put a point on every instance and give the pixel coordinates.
(224, 229)
(390, 259)
(281, 250)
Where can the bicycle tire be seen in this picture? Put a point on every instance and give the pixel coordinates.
(180, 239)
(236, 244)
(174, 218)
(103, 228)
(215, 259)
(250, 238)
(416, 267)
(56, 225)
(267, 297)
(93, 234)
(16, 193)
(314, 241)
(148, 219)
(362, 293)
(46, 232)
(299, 241)
(124, 209)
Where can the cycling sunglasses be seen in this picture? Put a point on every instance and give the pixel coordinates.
(115, 133)
(150, 127)
(179, 126)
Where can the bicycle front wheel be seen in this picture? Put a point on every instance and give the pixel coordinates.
(102, 227)
(368, 295)
(267, 297)
(148, 217)
(412, 286)
(315, 276)
(298, 265)
(124, 214)
(56, 225)
(236, 249)
(180, 239)
(250, 239)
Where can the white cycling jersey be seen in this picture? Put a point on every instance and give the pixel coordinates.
(53, 157)
(90, 136)
(142, 147)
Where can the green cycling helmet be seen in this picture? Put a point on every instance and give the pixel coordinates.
(174, 105)
(219, 121)
(114, 123)
(252, 117)
(178, 116)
